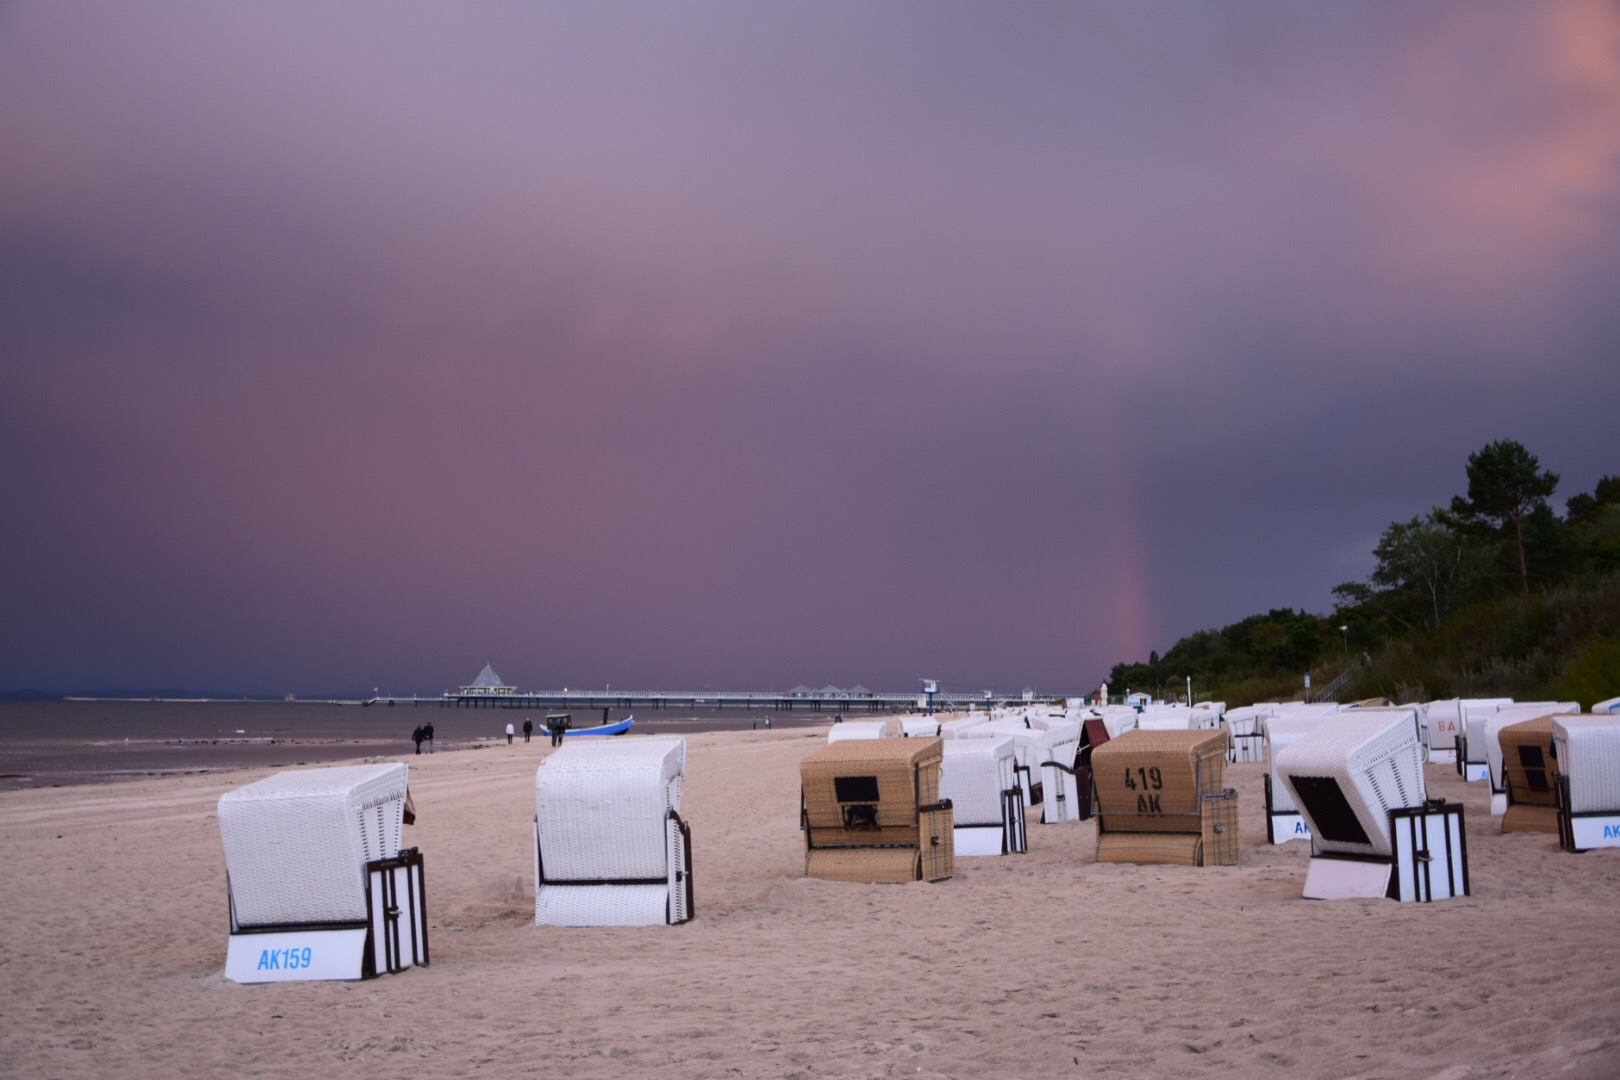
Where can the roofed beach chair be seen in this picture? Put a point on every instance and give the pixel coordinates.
(1529, 769)
(919, 727)
(1043, 756)
(871, 812)
(1499, 721)
(1358, 781)
(987, 805)
(319, 886)
(1612, 705)
(610, 847)
(1243, 725)
(858, 729)
(1093, 733)
(1471, 762)
(1588, 782)
(1160, 799)
(1284, 822)
(959, 727)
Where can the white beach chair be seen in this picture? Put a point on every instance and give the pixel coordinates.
(1471, 761)
(319, 887)
(1042, 755)
(918, 727)
(1588, 782)
(977, 778)
(960, 726)
(1358, 780)
(858, 729)
(1243, 725)
(610, 846)
(1284, 822)
(1612, 705)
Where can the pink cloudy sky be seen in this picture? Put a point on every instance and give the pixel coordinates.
(742, 345)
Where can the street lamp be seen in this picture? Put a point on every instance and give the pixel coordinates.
(1345, 630)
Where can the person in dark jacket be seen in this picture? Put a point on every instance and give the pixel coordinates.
(417, 737)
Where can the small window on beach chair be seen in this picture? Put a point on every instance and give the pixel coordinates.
(611, 848)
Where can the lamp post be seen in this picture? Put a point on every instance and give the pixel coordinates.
(1345, 631)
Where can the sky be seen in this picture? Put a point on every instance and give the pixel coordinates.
(744, 345)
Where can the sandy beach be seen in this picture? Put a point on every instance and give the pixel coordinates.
(1045, 964)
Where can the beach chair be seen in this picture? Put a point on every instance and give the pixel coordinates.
(1284, 822)
(1529, 765)
(1160, 799)
(1472, 764)
(858, 729)
(1506, 717)
(1588, 781)
(1093, 733)
(1042, 755)
(1612, 705)
(987, 805)
(1244, 726)
(1358, 781)
(871, 812)
(610, 847)
(319, 886)
(918, 727)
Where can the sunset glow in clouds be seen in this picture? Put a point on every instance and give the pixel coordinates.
(745, 346)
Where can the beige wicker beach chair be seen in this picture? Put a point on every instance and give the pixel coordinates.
(871, 812)
(1160, 799)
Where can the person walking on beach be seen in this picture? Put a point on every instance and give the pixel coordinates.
(509, 733)
(417, 737)
(528, 728)
(427, 737)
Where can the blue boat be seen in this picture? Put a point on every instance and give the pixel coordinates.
(617, 728)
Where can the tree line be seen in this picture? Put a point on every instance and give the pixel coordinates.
(1499, 539)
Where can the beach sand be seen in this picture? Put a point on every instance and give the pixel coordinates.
(1043, 964)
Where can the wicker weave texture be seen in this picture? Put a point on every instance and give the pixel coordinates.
(1155, 781)
(905, 773)
(1220, 832)
(1589, 754)
(601, 905)
(297, 843)
(1377, 765)
(603, 806)
(1521, 817)
(973, 774)
(1176, 849)
(874, 866)
(858, 729)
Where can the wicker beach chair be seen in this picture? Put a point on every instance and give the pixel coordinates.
(858, 729)
(871, 812)
(919, 727)
(1284, 822)
(1611, 705)
(1499, 721)
(1160, 799)
(319, 886)
(1244, 726)
(1041, 755)
(611, 848)
(1358, 780)
(987, 805)
(1529, 768)
(1471, 743)
(1588, 781)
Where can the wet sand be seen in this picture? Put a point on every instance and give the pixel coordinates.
(1045, 964)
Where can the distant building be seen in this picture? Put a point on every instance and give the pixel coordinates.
(488, 684)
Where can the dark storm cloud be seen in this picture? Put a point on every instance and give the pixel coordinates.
(746, 346)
